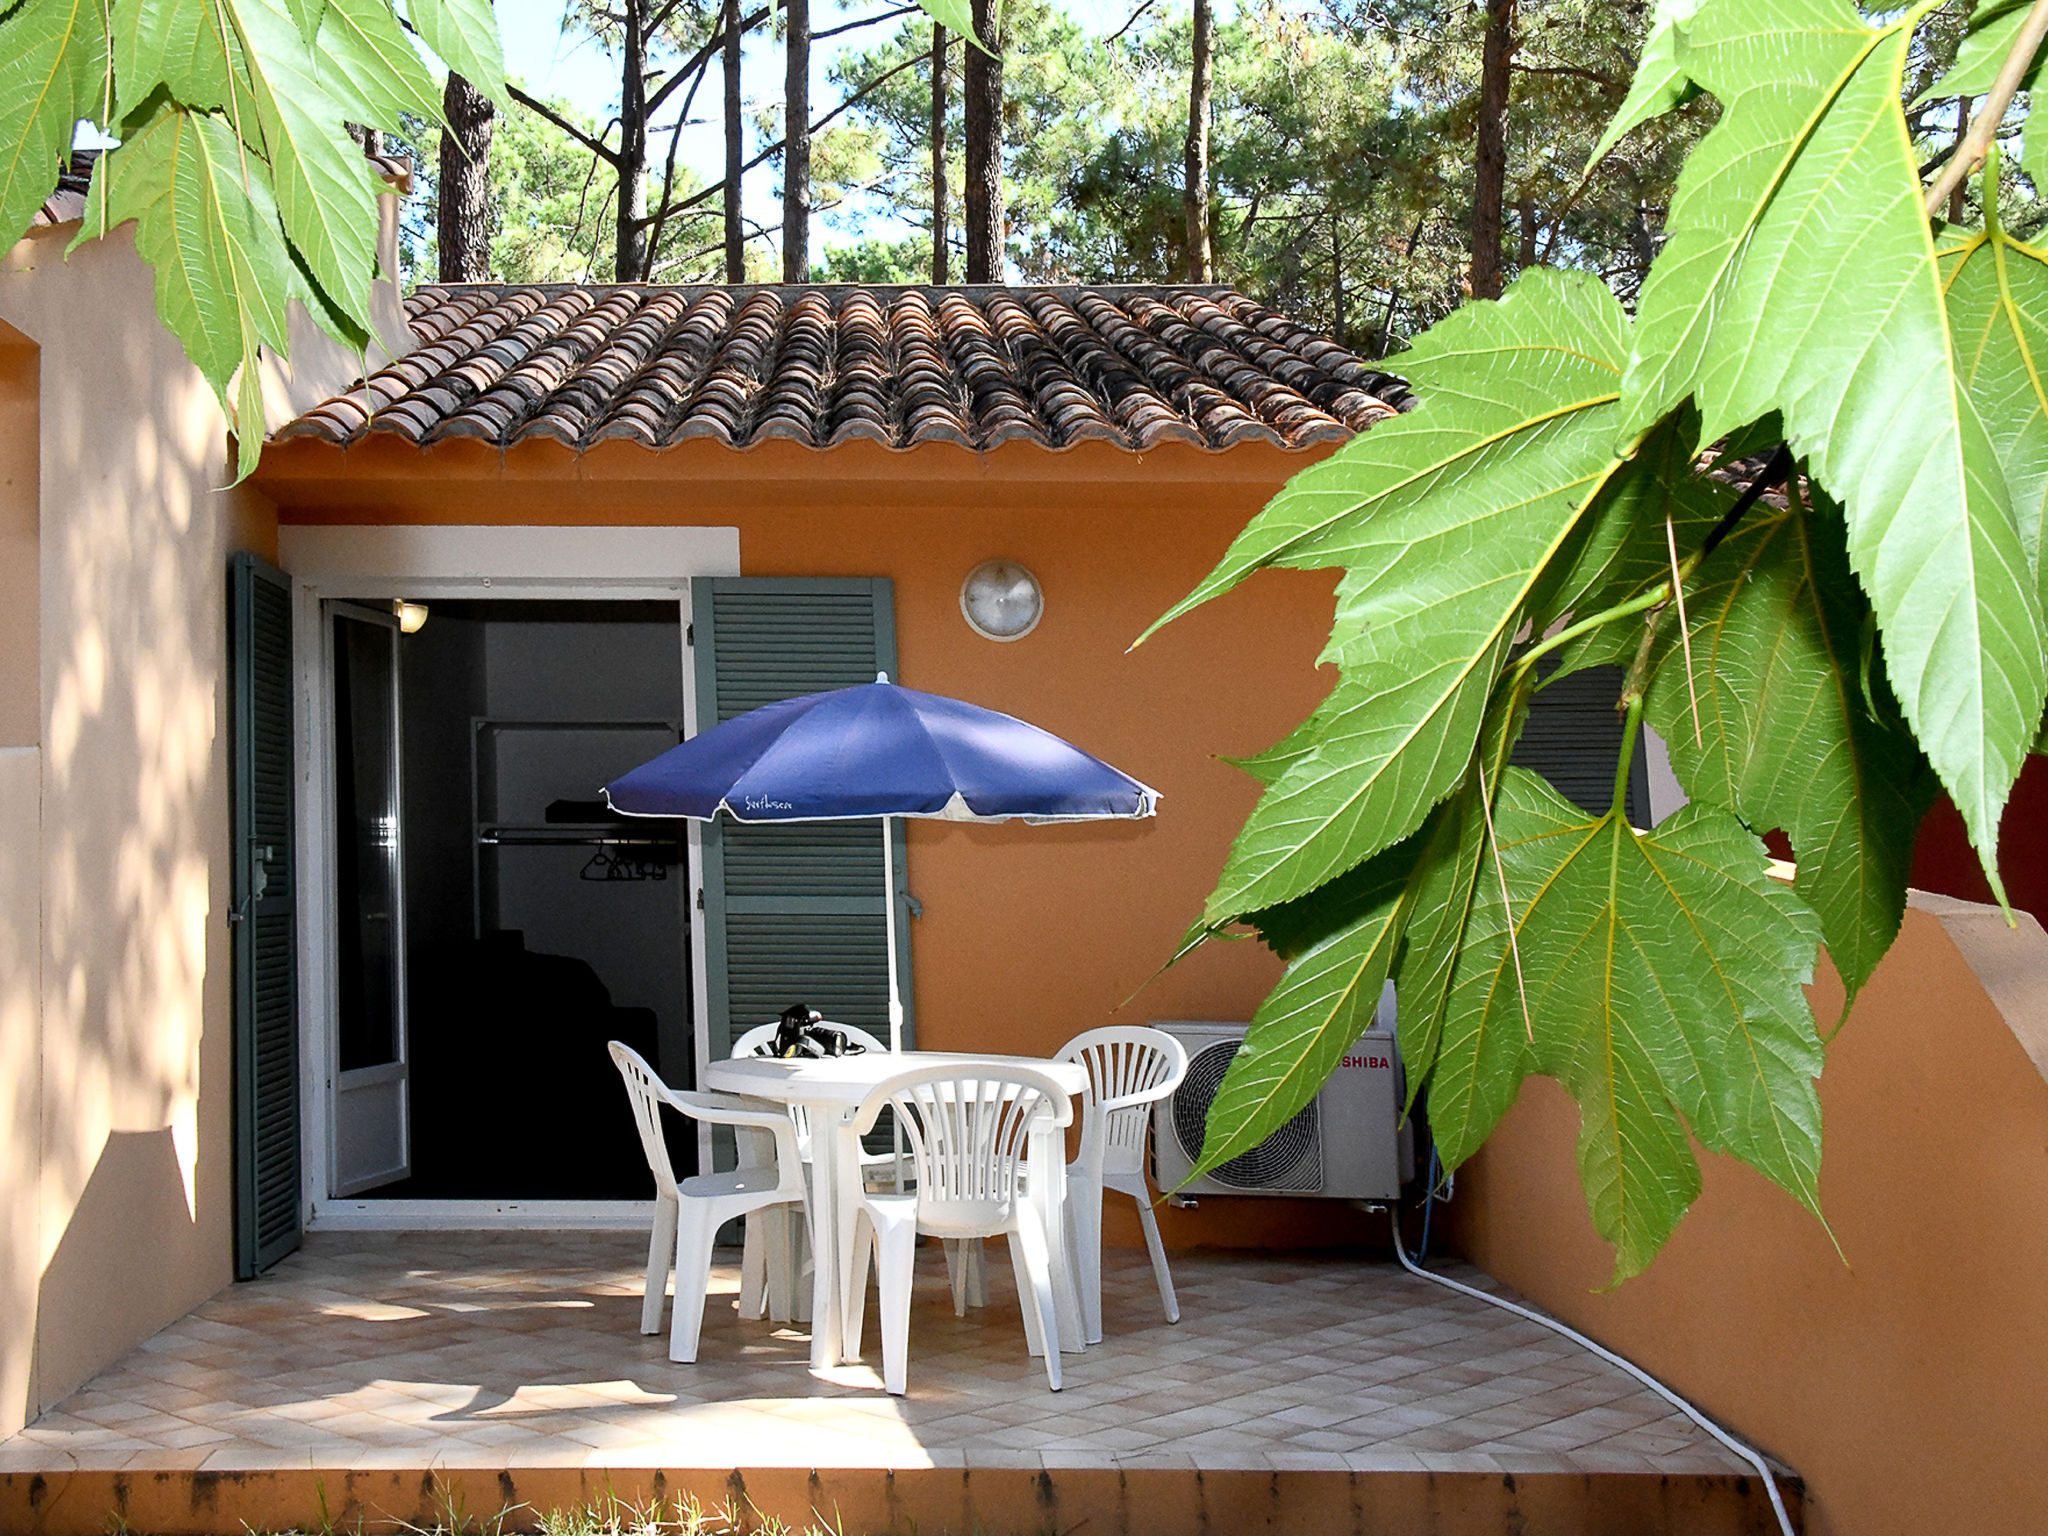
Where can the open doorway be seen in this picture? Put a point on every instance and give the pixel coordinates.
(536, 925)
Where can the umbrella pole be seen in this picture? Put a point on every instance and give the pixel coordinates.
(895, 984)
(889, 925)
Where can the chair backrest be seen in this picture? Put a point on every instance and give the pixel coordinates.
(767, 1132)
(967, 1133)
(750, 1042)
(1129, 1067)
(647, 1094)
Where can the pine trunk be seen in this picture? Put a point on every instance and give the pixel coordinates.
(735, 150)
(983, 99)
(463, 221)
(939, 251)
(1195, 182)
(796, 150)
(630, 248)
(1491, 156)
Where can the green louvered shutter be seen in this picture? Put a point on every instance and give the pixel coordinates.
(264, 917)
(1573, 738)
(794, 913)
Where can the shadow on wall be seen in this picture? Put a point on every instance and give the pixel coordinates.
(135, 534)
(137, 1179)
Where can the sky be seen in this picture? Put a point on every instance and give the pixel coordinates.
(550, 65)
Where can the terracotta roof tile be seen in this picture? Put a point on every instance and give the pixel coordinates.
(823, 365)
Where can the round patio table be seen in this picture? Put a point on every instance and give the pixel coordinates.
(831, 1089)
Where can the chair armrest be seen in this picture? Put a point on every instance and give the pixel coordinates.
(730, 1109)
(1136, 1100)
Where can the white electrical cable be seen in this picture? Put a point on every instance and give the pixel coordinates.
(1762, 1470)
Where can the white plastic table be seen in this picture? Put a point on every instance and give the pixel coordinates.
(831, 1089)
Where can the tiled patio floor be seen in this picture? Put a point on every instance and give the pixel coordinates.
(468, 1350)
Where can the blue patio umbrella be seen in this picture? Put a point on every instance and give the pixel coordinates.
(879, 750)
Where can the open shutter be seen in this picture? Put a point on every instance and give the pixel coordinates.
(264, 918)
(1573, 738)
(794, 912)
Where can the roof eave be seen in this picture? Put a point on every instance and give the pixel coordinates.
(384, 478)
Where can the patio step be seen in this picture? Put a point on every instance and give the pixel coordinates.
(929, 1501)
(398, 1376)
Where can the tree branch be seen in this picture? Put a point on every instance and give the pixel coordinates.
(596, 146)
(696, 62)
(1985, 129)
(865, 21)
(1776, 468)
(1593, 75)
(717, 189)
(1120, 31)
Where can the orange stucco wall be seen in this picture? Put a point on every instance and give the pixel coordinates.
(1029, 934)
(1904, 1379)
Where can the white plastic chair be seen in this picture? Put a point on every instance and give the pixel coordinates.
(761, 1294)
(1129, 1068)
(968, 1135)
(689, 1212)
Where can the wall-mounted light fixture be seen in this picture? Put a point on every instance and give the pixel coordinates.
(1001, 600)
(412, 617)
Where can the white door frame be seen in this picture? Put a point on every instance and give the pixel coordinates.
(382, 563)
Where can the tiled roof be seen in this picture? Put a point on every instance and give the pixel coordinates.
(824, 365)
(66, 202)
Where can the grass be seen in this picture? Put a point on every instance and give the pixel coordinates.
(608, 1516)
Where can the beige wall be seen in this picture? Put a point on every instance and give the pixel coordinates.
(114, 1049)
(1905, 1379)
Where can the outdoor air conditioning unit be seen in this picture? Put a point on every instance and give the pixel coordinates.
(1350, 1143)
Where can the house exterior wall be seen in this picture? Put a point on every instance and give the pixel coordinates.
(1901, 1378)
(115, 1184)
(1030, 934)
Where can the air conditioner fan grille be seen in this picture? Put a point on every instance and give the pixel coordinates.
(1290, 1158)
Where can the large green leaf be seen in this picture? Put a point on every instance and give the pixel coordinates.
(1406, 907)
(1622, 549)
(1660, 81)
(1443, 520)
(52, 66)
(1322, 1005)
(186, 45)
(206, 221)
(1664, 976)
(1997, 293)
(465, 34)
(368, 64)
(326, 196)
(1994, 29)
(1800, 277)
(1784, 735)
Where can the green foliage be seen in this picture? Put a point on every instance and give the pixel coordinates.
(1787, 734)
(1520, 430)
(1767, 240)
(1340, 164)
(1660, 973)
(223, 269)
(1816, 656)
(875, 261)
(234, 159)
(550, 208)
(52, 57)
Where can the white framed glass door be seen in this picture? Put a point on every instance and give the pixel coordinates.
(371, 1109)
